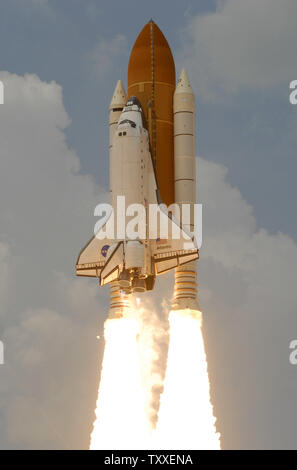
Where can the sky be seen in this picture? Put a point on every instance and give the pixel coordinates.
(59, 62)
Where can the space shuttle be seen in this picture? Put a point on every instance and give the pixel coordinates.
(152, 165)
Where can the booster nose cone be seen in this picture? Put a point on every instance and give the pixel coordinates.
(183, 83)
(151, 77)
(119, 97)
(184, 99)
(116, 106)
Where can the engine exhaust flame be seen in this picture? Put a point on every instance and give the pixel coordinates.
(186, 418)
(120, 415)
(127, 409)
(153, 347)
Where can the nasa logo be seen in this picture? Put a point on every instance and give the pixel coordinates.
(104, 250)
(161, 241)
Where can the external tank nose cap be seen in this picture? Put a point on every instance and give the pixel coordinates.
(151, 54)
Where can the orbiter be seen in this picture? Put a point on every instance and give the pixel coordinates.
(152, 163)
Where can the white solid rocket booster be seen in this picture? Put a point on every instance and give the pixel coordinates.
(185, 283)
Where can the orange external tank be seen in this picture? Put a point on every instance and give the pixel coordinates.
(151, 78)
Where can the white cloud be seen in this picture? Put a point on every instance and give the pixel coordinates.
(242, 45)
(5, 259)
(248, 295)
(49, 320)
(233, 240)
(52, 370)
(93, 12)
(106, 54)
(39, 6)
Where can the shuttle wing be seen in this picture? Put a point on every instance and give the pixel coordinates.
(171, 259)
(169, 253)
(92, 257)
